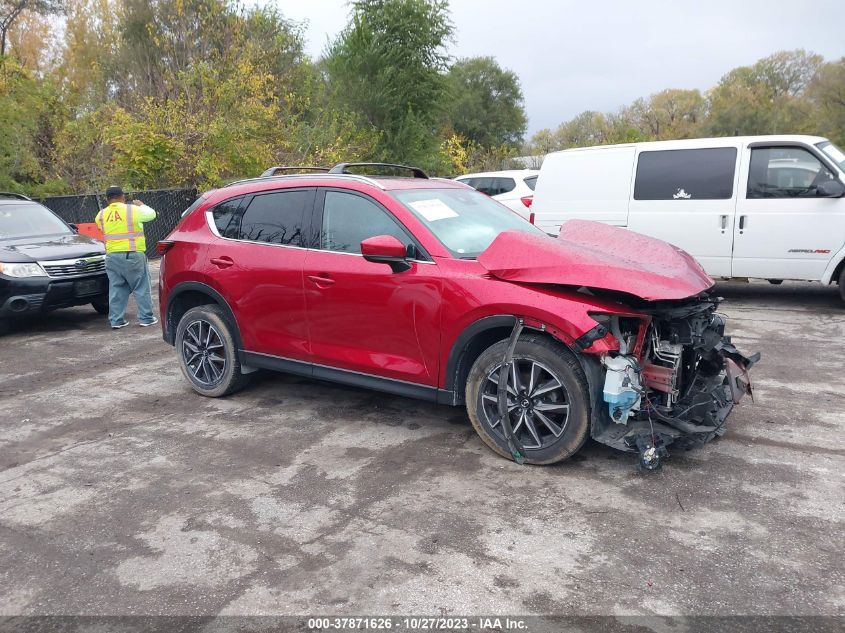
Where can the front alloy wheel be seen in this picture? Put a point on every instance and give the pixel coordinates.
(547, 399)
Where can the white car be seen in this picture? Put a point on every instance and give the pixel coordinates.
(514, 188)
(770, 207)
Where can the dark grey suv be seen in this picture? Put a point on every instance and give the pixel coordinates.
(44, 263)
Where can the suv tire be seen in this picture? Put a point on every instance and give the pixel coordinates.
(208, 356)
(540, 405)
(101, 305)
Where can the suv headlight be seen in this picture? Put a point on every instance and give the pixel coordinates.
(21, 270)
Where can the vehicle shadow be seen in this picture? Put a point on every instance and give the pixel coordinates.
(788, 295)
(57, 322)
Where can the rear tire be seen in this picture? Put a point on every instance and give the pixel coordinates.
(559, 416)
(208, 356)
(101, 306)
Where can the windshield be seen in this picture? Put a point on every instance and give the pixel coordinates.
(465, 221)
(834, 153)
(29, 219)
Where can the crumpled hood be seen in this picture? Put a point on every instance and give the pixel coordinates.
(597, 255)
(49, 247)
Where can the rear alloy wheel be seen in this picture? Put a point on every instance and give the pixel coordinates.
(547, 399)
(207, 352)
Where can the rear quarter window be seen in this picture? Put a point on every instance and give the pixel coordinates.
(226, 217)
(686, 174)
(531, 181)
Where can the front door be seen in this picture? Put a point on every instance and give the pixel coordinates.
(783, 229)
(362, 316)
(687, 197)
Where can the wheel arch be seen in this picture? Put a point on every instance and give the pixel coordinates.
(191, 294)
(477, 337)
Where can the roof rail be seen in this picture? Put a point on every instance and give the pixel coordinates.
(343, 168)
(279, 170)
(356, 177)
(16, 196)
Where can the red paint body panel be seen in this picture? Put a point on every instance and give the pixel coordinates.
(597, 255)
(342, 311)
(365, 318)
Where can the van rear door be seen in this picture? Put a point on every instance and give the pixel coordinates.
(586, 184)
(687, 197)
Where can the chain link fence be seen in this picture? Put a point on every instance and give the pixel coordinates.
(169, 205)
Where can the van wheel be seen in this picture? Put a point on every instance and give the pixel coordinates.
(842, 284)
(547, 399)
(207, 352)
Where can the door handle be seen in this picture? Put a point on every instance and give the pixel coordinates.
(742, 223)
(322, 280)
(723, 222)
(222, 262)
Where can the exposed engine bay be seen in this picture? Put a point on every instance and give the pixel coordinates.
(674, 380)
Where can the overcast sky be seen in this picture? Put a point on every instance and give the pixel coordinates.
(589, 55)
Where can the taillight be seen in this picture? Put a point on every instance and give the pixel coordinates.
(163, 246)
(527, 201)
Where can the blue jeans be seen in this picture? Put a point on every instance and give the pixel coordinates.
(128, 274)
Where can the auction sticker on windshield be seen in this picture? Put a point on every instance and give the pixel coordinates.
(433, 210)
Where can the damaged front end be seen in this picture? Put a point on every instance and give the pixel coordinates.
(673, 381)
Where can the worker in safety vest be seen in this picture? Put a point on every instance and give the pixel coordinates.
(122, 225)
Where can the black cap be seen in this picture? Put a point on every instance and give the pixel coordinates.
(113, 192)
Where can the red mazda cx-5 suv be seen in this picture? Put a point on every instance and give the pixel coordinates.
(426, 288)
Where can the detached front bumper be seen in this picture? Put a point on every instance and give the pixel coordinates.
(36, 295)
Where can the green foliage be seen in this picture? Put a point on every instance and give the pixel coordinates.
(826, 94)
(388, 67)
(486, 104)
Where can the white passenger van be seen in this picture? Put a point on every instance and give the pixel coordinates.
(765, 206)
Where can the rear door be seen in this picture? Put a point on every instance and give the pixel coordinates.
(257, 265)
(687, 197)
(783, 229)
(362, 316)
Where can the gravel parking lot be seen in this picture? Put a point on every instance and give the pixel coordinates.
(302, 497)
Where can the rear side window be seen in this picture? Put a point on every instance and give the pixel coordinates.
(276, 218)
(491, 185)
(686, 174)
(531, 181)
(226, 217)
(348, 219)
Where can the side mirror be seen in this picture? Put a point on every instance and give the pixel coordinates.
(830, 189)
(73, 227)
(386, 249)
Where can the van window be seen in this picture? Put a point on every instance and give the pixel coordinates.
(784, 172)
(686, 174)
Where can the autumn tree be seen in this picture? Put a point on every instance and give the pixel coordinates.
(13, 10)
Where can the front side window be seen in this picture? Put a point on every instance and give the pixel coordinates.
(466, 222)
(785, 172)
(275, 218)
(226, 217)
(29, 219)
(349, 219)
(686, 174)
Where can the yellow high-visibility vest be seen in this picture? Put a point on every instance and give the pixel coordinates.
(122, 226)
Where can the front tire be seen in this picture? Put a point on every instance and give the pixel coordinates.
(208, 356)
(548, 399)
(842, 284)
(101, 305)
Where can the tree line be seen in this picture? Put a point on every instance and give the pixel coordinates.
(789, 92)
(172, 93)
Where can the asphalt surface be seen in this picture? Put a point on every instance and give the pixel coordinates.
(122, 492)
